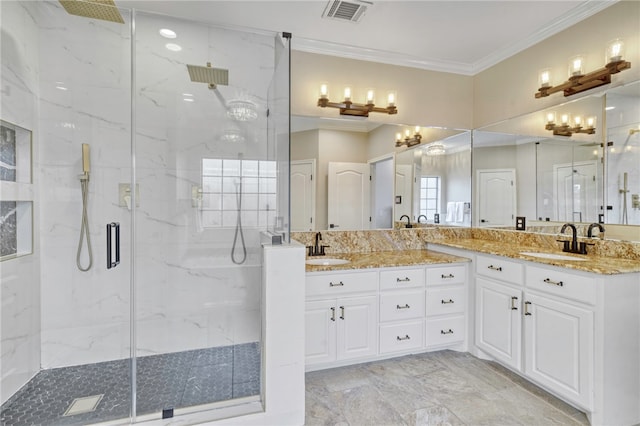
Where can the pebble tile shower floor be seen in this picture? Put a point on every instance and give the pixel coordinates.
(164, 381)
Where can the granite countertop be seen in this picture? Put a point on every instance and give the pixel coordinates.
(385, 259)
(595, 264)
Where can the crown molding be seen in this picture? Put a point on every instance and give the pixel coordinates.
(583, 11)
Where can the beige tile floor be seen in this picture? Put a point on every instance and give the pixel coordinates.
(437, 388)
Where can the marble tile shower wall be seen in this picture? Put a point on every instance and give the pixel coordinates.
(85, 93)
(19, 277)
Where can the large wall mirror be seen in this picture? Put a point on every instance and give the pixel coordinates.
(534, 166)
(347, 174)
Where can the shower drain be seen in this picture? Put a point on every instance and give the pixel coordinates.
(83, 405)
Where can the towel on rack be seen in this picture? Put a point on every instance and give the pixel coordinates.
(451, 211)
(460, 211)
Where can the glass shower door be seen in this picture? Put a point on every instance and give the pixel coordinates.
(65, 334)
(207, 187)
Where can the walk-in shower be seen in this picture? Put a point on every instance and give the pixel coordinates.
(177, 327)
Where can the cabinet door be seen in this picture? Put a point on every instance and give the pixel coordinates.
(559, 347)
(320, 331)
(498, 321)
(357, 327)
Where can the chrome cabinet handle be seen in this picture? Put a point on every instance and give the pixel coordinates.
(526, 308)
(405, 279)
(406, 306)
(513, 303)
(447, 276)
(445, 302)
(549, 281)
(333, 314)
(340, 284)
(495, 268)
(450, 331)
(406, 337)
(341, 312)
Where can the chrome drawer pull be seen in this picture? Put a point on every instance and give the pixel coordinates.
(341, 312)
(526, 308)
(333, 314)
(558, 283)
(495, 268)
(450, 331)
(445, 302)
(340, 284)
(405, 279)
(513, 303)
(406, 306)
(447, 276)
(406, 337)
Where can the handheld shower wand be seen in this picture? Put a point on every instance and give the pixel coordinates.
(84, 225)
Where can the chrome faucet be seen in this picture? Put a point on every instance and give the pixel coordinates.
(408, 225)
(425, 218)
(595, 225)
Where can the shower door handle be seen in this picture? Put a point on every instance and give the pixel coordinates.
(113, 247)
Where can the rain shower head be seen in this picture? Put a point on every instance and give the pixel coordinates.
(209, 75)
(105, 10)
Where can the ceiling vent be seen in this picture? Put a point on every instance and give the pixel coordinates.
(346, 10)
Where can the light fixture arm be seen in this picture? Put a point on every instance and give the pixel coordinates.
(355, 109)
(580, 83)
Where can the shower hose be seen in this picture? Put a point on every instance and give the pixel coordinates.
(84, 226)
(239, 230)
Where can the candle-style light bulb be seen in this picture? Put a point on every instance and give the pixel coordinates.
(398, 136)
(370, 96)
(347, 93)
(545, 78)
(614, 51)
(564, 118)
(575, 66)
(591, 122)
(417, 130)
(407, 134)
(324, 91)
(551, 117)
(577, 120)
(391, 99)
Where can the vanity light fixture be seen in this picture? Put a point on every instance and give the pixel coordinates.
(579, 81)
(409, 140)
(565, 128)
(348, 107)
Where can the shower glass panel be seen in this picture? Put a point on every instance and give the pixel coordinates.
(65, 335)
(208, 184)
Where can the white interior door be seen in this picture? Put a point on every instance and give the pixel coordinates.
(496, 197)
(348, 196)
(303, 195)
(575, 192)
(404, 190)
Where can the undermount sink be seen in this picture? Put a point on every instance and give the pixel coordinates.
(552, 256)
(327, 261)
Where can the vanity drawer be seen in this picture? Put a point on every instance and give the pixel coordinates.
(500, 268)
(444, 331)
(335, 284)
(450, 274)
(401, 305)
(401, 278)
(563, 284)
(401, 337)
(445, 300)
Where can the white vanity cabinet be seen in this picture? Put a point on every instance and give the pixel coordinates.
(364, 315)
(401, 310)
(341, 316)
(575, 333)
(446, 305)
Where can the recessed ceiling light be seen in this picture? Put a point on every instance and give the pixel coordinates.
(173, 47)
(188, 99)
(167, 33)
(609, 108)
